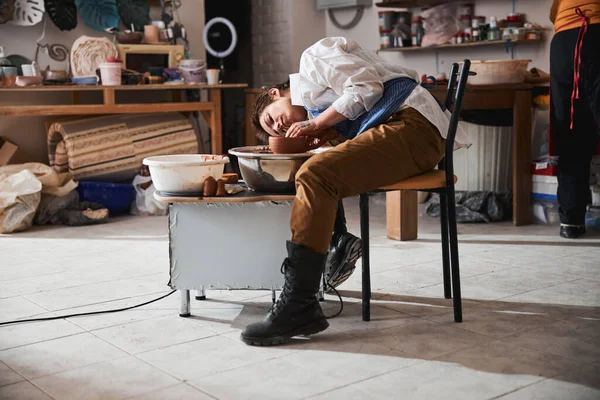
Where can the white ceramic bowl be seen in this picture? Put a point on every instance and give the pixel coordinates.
(184, 173)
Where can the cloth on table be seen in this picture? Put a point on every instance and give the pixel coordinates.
(112, 147)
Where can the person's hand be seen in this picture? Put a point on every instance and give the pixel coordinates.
(303, 128)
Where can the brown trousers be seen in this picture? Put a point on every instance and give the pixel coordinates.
(406, 145)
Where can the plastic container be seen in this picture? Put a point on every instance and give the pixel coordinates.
(494, 72)
(592, 218)
(545, 211)
(117, 197)
(110, 73)
(387, 19)
(386, 39)
(546, 186)
(184, 173)
(193, 71)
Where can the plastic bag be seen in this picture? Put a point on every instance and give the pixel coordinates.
(20, 195)
(476, 206)
(52, 182)
(440, 24)
(145, 203)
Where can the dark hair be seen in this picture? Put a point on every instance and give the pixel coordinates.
(262, 101)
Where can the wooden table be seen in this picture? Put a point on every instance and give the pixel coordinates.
(401, 207)
(211, 109)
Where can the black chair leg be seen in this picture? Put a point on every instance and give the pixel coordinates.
(366, 267)
(445, 244)
(454, 256)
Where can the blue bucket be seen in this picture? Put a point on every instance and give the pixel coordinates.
(116, 197)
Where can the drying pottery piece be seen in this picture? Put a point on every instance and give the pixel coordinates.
(134, 12)
(230, 178)
(87, 53)
(210, 187)
(7, 8)
(27, 12)
(290, 145)
(63, 13)
(101, 15)
(130, 37)
(16, 61)
(29, 80)
(221, 192)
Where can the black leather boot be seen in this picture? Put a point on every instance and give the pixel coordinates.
(344, 251)
(571, 231)
(297, 310)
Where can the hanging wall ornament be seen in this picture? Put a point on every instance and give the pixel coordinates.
(7, 8)
(101, 15)
(63, 13)
(136, 12)
(27, 12)
(87, 53)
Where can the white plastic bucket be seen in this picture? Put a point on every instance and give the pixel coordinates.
(184, 173)
(193, 71)
(110, 74)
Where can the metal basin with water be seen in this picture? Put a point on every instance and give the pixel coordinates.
(264, 171)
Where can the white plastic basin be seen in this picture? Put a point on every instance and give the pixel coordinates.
(184, 173)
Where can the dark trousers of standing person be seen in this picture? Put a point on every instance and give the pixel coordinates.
(575, 147)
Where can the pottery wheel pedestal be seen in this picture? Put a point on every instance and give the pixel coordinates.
(234, 242)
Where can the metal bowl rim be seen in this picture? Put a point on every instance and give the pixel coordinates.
(246, 152)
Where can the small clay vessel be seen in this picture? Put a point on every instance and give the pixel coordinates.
(290, 145)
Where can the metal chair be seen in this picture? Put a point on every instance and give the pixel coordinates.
(439, 181)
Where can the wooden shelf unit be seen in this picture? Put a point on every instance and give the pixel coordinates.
(458, 46)
(411, 3)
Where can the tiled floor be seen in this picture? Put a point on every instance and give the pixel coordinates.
(531, 325)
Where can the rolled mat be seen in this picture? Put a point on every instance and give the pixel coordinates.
(112, 148)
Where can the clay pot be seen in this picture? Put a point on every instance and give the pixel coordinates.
(290, 145)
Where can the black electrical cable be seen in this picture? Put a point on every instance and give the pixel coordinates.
(341, 303)
(87, 313)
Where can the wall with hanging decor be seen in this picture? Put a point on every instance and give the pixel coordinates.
(29, 132)
(431, 62)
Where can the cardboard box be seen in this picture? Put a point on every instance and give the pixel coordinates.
(10, 153)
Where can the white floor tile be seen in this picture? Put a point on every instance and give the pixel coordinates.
(14, 308)
(58, 355)
(432, 380)
(22, 391)
(118, 379)
(61, 299)
(276, 374)
(8, 375)
(34, 332)
(204, 357)
(181, 391)
(552, 389)
(154, 333)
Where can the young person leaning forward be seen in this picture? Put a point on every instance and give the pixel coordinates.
(395, 130)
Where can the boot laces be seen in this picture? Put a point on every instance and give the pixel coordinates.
(288, 272)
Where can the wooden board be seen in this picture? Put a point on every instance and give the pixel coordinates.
(76, 88)
(459, 45)
(96, 109)
(248, 196)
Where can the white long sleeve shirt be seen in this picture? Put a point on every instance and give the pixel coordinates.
(337, 72)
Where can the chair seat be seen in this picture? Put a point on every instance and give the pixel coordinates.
(429, 180)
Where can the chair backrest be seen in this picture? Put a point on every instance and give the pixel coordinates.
(455, 93)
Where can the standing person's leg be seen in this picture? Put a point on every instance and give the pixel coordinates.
(574, 146)
(406, 145)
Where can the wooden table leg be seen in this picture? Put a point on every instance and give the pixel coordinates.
(402, 215)
(109, 96)
(521, 138)
(216, 128)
